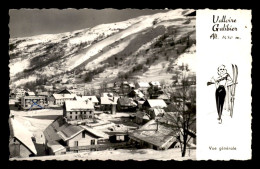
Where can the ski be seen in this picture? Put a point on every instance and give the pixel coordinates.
(233, 88)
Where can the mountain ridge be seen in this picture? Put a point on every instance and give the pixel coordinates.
(105, 46)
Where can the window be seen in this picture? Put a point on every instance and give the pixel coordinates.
(71, 117)
(90, 112)
(83, 134)
(76, 143)
(92, 142)
(90, 116)
(76, 112)
(70, 112)
(84, 112)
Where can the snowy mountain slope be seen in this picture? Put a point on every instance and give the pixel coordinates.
(108, 46)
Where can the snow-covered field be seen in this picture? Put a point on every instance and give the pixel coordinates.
(122, 154)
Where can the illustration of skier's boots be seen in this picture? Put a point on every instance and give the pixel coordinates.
(219, 120)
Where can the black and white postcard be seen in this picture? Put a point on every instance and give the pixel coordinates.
(131, 84)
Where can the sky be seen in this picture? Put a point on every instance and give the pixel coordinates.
(30, 22)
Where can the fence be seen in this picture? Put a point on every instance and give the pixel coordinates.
(100, 147)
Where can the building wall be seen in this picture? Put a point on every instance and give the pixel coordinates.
(24, 152)
(61, 101)
(27, 103)
(81, 141)
(18, 150)
(76, 115)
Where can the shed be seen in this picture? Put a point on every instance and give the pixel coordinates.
(154, 103)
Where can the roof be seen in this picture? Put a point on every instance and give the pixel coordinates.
(154, 83)
(64, 96)
(95, 132)
(138, 93)
(84, 98)
(55, 146)
(131, 85)
(170, 118)
(69, 132)
(72, 105)
(108, 100)
(141, 114)
(64, 91)
(22, 134)
(125, 101)
(30, 93)
(43, 94)
(143, 84)
(157, 111)
(34, 97)
(50, 132)
(150, 134)
(107, 95)
(164, 96)
(155, 103)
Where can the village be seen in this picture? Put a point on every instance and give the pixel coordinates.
(124, 115)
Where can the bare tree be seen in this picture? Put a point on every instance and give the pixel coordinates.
(185, 116)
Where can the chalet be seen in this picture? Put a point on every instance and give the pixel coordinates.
(126, 87)
(126, 104)
(175, 119)
(118, 136)
(78, 110)
(155, 89)
(62, 137)
(136, 94)
(61, 98)
(109, 104)
(154, 113)
(155, 135)
(20, 142)
(33, 102)
(46, 94)
(142, 117)
(154, 103)
(19, 93)
(165, 97)
(143, 86)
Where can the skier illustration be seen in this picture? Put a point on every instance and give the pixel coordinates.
(224, 86)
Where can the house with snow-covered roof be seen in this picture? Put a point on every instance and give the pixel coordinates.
(154, 103)
(78, 110)
(155, 135)
(126, 104)
(20, 142)
(61, 98)
(93, 99)
(62, 137)
(33, 102)
(108, 103)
